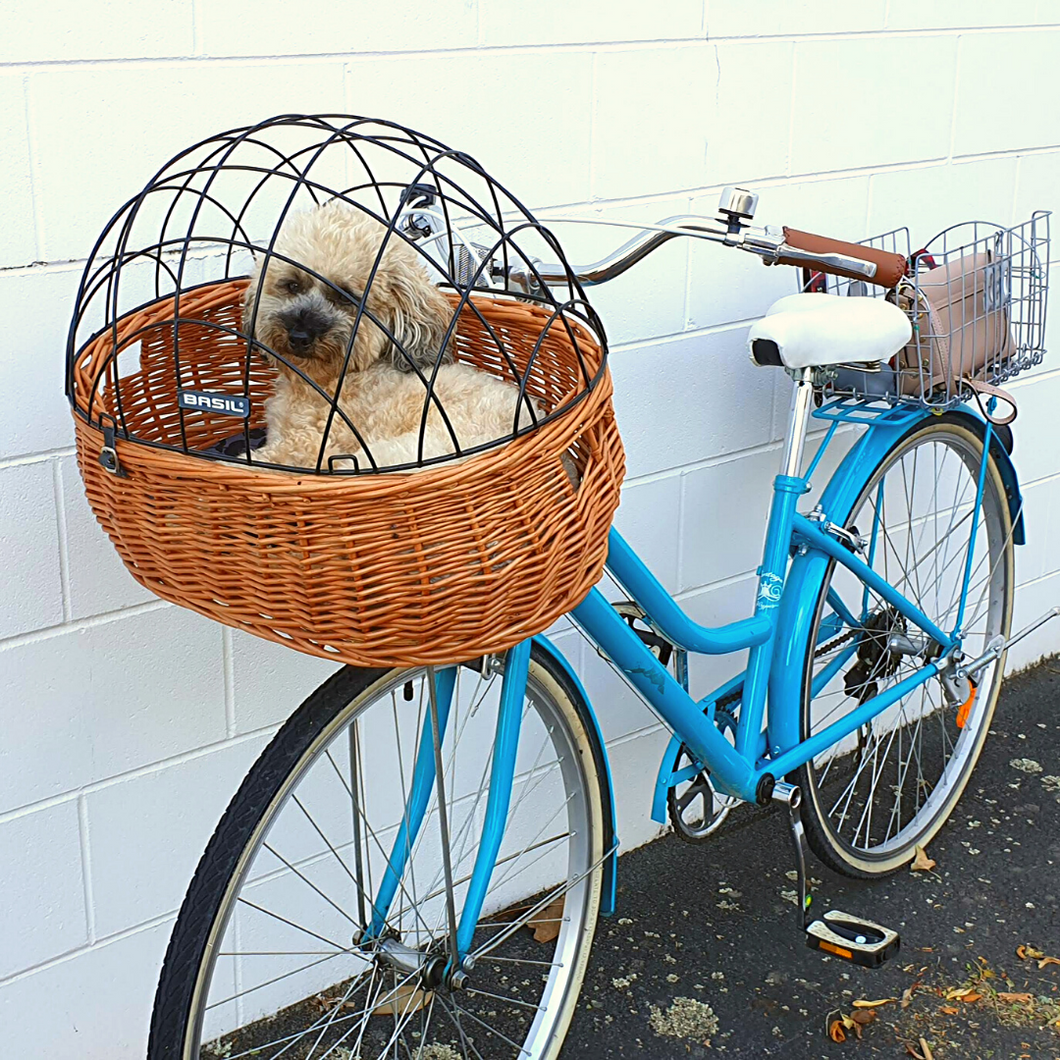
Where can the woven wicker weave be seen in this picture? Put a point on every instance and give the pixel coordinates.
(433, 566)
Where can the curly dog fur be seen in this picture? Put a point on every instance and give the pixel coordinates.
(310, 324)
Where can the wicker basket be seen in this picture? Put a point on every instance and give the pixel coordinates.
(431, 566)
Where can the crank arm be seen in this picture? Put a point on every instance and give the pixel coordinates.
(844, 935)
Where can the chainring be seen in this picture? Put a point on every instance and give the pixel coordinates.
(699, 794)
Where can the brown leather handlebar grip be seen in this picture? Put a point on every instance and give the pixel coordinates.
(890, 268)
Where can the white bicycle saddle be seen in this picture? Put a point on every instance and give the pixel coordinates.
(810, 330)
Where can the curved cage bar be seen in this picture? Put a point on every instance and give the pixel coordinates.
(321, 393)
(217, 213)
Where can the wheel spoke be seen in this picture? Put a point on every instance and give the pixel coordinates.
(901, 779)
(308, 883)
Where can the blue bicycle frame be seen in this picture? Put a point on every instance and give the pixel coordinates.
(797, 554)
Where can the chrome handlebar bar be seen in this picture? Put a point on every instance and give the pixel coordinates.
(736, 204)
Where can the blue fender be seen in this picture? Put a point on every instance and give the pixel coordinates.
(807, 572)
(588, 715)
(969, 418)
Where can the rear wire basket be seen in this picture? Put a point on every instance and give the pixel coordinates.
(976, 298)
(436, 558)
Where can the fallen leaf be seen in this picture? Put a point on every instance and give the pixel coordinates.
(402, 1002)
(848, 1022)
(874, 1004)
(864, 1015)
(971, 997)
(1017, 999)
(907, 994)
(1048, 960)
(911, 1051)
(545, 923)
(926, 1050)
(922, 863)
(949, 1010)
(836, 1032)
(1028, 953)
(957, 993)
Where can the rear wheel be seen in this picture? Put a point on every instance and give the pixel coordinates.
(270, 956)
(889, 786)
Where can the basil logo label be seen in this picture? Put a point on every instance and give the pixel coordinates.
(225, 404)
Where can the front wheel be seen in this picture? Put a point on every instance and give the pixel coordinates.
(889, 786)
(281, 949)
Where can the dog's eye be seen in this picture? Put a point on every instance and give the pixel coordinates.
(291, 286)
(343, 296)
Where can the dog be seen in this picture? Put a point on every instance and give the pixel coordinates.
(382, 394)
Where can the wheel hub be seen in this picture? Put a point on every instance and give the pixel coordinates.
(407, 962)
(875, 657)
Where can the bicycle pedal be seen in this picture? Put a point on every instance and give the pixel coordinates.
(852, 938)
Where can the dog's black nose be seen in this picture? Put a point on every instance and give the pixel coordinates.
(299, 339)
(304, 327)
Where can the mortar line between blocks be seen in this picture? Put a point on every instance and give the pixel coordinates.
(762, 183)
(789, 162)
(593, 72)
(229, 680)
(34, 190)
(956, 88)
(63, 542)
(710, 461)
(86, 868)
(636, 734)
(70, 955)
(1016, 187)
(135, 774)
(1037, 581)
(36, 458)
(196, 28)
(468, 50)
(47, 633)
(1043, 481)
(682, 486)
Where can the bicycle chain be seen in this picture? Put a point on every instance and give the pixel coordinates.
(830, 645)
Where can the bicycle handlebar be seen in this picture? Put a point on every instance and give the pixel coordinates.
(787, 246)
(828, 255)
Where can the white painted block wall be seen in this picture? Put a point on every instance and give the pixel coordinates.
(126, 724)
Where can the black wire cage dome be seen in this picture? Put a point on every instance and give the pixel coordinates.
(217, 211)
(238, 327)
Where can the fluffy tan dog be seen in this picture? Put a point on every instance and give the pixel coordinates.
(310, 324)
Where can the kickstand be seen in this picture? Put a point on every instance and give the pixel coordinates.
(840, 934)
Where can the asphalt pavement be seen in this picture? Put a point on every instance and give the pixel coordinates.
(704, 957)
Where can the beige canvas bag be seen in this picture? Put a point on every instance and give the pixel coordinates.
(960, 327)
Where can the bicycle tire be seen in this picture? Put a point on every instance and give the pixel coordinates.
(196, 946)
(929, 800)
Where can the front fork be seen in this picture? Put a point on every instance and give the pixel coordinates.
(427, 777)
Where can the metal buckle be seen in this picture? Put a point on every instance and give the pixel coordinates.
(108, 455)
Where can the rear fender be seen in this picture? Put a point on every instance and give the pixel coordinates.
(803, 585)
(807, 572)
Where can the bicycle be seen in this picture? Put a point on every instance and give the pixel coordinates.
(370, 888)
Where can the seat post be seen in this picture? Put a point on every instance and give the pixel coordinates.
(800, 409)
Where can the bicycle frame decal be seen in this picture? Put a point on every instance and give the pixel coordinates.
(785, 602)
(738, 770)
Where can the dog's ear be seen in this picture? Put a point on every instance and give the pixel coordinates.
(250, 296)
(419, 317)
